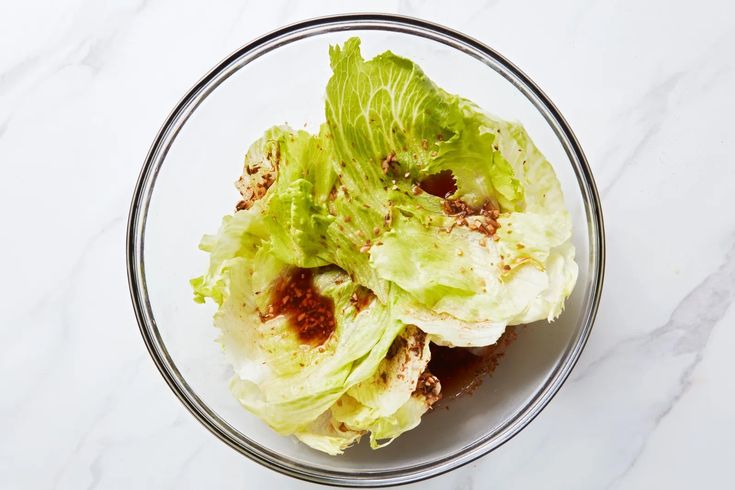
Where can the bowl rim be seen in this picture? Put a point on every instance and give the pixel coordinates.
(146, 321)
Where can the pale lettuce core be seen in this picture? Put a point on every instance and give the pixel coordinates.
(344, 202)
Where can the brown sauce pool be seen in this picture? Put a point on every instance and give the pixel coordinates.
(461, 370)
(310, 314)
(440, 185)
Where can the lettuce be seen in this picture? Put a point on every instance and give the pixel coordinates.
(302, 380)
(401, 269)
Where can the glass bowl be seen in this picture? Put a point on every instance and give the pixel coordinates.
(186, 186)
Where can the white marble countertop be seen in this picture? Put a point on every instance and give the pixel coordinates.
(648, 88)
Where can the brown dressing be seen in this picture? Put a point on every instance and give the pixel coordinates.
(440, 185)
(361, 298)
(309, 313)
(461, 370)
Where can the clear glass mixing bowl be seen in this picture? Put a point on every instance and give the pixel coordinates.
(186, 186)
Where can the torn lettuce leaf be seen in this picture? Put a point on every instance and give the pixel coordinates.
(480, 168)
(298, 225)
(388, 403)
(348, 203)
(388, 106)
(464, 288)
(304, 380)
(325, 435)
(239, 236)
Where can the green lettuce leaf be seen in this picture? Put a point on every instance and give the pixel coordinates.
(323, 435)
(464, 288)
(303, 381)
(387, 403)
(239, 237)
(298, 226)
(386, 429)
(382, 106)
(479, 167)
